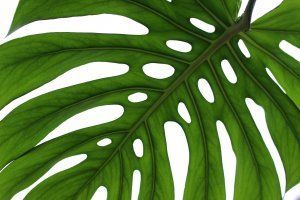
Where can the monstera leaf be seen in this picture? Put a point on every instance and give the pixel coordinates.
(32, 61)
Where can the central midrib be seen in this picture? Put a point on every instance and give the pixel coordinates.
(224, 38)
(242, 25)
(231, 31)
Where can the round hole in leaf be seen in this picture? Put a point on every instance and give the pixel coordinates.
(137, 97)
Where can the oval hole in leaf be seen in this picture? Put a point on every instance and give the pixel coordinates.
(138, 148)
(178, 153)
(228, 71)
(91, 117)
(100, 194)
(203, 25)
(137, 97)
(104, 142)
(290, 49)
(258, 114)
(60, 166)
(274, 79)
(228, 159)
(83, 24)
(180, 46)
(136, 184)
(158, 70)
(244, 49)
(88, 72)
(206, 90)
(183, 112)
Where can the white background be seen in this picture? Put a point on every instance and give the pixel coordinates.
(176, 142)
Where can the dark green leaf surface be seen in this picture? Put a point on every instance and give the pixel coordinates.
(28, 63)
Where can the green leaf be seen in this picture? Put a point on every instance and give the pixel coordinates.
(32, 61)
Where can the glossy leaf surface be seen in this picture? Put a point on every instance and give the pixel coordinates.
(32, 61)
